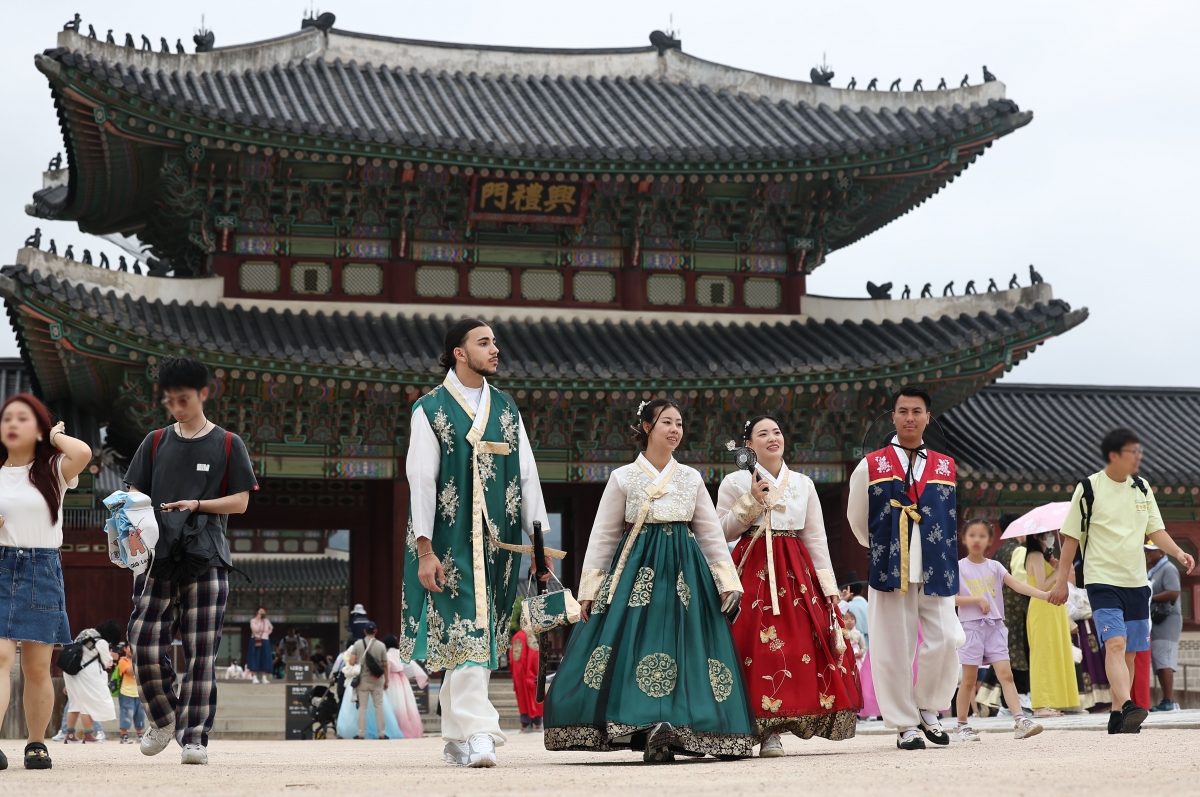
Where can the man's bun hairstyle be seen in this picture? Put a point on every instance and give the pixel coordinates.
(456, 336)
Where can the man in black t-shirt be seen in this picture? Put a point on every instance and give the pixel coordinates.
(191, 466)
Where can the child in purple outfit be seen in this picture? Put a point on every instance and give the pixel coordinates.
(981, 612)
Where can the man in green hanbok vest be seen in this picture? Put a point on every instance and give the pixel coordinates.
(473, 490)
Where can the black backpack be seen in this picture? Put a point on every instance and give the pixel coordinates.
(1087, 502)
(70, 658)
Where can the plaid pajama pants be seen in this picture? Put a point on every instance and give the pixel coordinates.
(196, 611)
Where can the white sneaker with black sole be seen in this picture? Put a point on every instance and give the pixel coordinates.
(194, 754)
(155, 740)
(483, 750)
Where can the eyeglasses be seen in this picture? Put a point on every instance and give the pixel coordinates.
(1136, 451)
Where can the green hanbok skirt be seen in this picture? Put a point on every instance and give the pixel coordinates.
(661, 651)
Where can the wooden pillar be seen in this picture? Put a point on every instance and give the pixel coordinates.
(372, 550)
(844, 550)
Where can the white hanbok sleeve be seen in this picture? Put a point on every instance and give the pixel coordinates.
(857, 504)
(815, 540)
(422, 465)
(607, 531)
(533, 505)
(711, 540)
(414, 671)
(737, 509)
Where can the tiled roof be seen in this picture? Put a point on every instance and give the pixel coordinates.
(586, 116)
(562, 348)
(1053, 432)
(298, 571)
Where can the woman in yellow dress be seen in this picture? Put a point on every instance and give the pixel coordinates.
(1051, 662)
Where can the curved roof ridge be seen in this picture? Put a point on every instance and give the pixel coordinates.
(672, 65)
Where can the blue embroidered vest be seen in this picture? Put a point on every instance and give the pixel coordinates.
(928, 508)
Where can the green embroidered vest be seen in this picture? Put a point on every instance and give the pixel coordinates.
(478, 503)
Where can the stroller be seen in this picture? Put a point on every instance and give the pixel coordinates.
(323, 708)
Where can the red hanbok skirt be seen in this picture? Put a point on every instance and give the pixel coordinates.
(796, 678)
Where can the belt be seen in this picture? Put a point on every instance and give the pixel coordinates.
(774, 532)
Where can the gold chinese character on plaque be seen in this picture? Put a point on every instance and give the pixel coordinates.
(560, 195)
(543, 201)
(495, 190)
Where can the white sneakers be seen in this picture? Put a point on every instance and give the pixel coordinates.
(478, 751)
(482, 750)
(1025, 728)
(194, 754)
(964, 733)
(772, 747)
(155, 740)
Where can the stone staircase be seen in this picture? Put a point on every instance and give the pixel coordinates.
(256, 711)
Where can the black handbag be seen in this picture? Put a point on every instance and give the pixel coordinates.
(370, 662)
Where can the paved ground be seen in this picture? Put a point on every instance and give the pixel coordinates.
(1092, 764)
(1189, 720)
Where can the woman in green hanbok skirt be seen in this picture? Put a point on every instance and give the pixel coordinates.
(653, 666)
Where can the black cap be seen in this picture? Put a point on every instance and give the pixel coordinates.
(370, 628)
(850, 578)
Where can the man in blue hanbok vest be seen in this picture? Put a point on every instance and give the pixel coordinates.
(902, 507)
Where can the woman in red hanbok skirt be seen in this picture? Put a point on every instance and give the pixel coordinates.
(523, 662)
(800, 671)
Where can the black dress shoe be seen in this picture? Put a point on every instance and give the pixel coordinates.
(1132, 717)
(914, 742)
(1114, 721)
(933, 733)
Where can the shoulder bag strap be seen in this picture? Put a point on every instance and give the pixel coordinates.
(225, 477)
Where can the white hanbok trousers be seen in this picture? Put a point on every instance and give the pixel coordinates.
(466, 709)
(893, 620)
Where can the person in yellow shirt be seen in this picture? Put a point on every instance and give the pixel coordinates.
(1112, 514)
(133, 715)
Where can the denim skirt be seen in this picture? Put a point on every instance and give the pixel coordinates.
(33, 606)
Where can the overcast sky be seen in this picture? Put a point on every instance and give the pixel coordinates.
(1098, 192)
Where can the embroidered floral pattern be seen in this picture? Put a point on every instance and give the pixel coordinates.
(721, 679)
(448, 502)
(944, 491)
(487, 468)
(677, 506)
(457, 644)
(656, 675)
(444, 429)
(943, 467)
(410, 539)
(593, 673)
(935, 533)
(452, 574)
(509, 427)
(683, 591)
(602, 595)
(771, 705)
(512, 500)
(643, 585)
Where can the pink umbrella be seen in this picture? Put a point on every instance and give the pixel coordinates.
(1048, 517)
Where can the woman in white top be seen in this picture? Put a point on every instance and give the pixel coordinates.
(790, 633)
(40, 463)
(655, 667)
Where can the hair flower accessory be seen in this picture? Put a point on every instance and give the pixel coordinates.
(641, 407)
